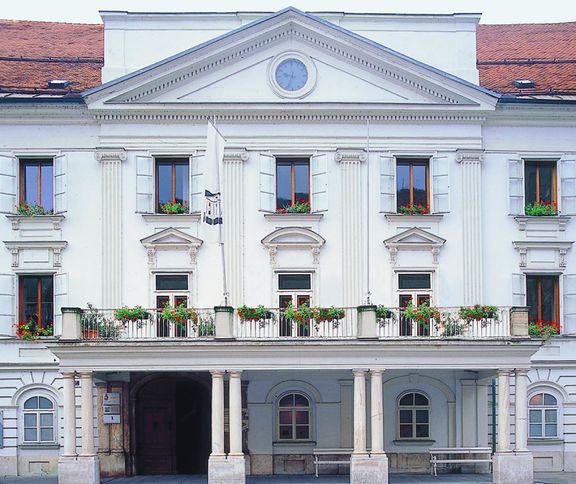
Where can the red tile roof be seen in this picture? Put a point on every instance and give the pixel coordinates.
(33, 53)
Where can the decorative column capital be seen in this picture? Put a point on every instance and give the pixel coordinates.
(359, 372)
(110, 155)
(235, 373)
(69, 375)
(521, 371)
(469, 156)
(235, 155)
(350, 156)
(505, 372)
(217, 373)
(377, 371)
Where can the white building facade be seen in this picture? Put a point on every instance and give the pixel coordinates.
(314, 110)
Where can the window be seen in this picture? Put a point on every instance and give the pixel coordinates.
(36, 299)
(413, 416)
(294, 417)
(295, 289)
(292, 182)
(171, 289)
(542, 298)
(543, 416)
(38, 413)
(412, 183)
(415, 289)
(540, 181)
(37, 183)
(172, 181)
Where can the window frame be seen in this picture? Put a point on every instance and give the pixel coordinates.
(21, 316)
(294, 409)
(553, 188)
(22, 163)
(174, 160)
(293, 161)
(412, 409)
(173, 294)
(542, 411)
(37, 412)
(539, 289)
(403, 161)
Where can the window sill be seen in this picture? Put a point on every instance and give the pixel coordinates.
(49, 445)
(546, 441)
(172, 217)
(431, 217)
(294, 217)
(543, 222)
(18, 220)
(422, 442)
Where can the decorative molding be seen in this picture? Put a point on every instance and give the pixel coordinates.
(293, 217)
(414, 239)
(469, 156)
(235, 155)
(350, 156)
(399, 218)
(171, 239)
(55, 248)
(293, 238)
(548, 224)
(560, 247)
(117, 155)
(18, 221)
(172, 218)
(273, 253)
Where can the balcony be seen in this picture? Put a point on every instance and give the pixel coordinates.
(273, 324)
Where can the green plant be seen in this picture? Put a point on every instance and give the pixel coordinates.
(179, 315)
(327, 314)
(299, 206)
(206, 326)
(126, 314)
(538, 209)
(422, 313)
(478, 313)
(382, 312)
(452, 327)
(301, 314)
(543, 329)
(174, 207)
(30, 331)
(27, 209)
(92, 320)
(257, 313)
(413, 209)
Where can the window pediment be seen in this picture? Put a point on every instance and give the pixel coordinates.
(293, 238)
(414, 239)
(171, 239)
(542, 255)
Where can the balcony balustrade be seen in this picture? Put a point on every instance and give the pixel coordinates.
(364, 322)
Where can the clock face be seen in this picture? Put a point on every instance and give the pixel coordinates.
(291, 74)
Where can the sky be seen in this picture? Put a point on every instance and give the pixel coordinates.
(493, 11)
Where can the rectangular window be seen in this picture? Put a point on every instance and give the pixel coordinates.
(292, 181)
(542, 298)
(294, 281)
(172, 181)
(412, 183)
(36, 298)
(414, 281)
(172, 282)
(540, 181)
(37, 183)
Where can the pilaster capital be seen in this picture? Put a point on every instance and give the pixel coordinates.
(86, 375)
(377, 371)
(236, 155)
(350, 156)
(110, 155)
(521, 371)
(235, 373)
(359, 372)
(217, 373)
(470, 156)
(505, 372)
(68, 375)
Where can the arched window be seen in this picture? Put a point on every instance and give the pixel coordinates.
(38, 416)
(294, 417)
(413, 416)
(543, 416)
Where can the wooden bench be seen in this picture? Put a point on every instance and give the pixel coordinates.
(319, 453)
(459, 455)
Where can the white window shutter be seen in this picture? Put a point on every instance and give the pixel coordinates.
(144, 184)
(60, 183)
(8, 182)
(568, 185)
(7, 303)
(60, 300)
(516, 186)
(569, 303)
(196, 186)
(518, 290)
(440, 184)
(387, 183)
(267, 183)
(319, 175)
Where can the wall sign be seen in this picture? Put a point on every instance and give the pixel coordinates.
(111, 408)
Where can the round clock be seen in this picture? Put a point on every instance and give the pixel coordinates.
(291, 74)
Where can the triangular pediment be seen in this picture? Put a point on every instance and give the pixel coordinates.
(170, 238)
(240, 68)
(416, 238)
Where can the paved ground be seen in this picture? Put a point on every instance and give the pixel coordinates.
(541, 478)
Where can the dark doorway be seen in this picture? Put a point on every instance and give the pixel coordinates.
(172, 426)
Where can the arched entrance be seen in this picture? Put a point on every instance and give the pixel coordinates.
(172, 426)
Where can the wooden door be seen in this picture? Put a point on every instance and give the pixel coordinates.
(156, 437)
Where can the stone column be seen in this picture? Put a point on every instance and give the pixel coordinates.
(217, 413)
(69, 415)
(471, 186)
(359, 411)
(235, 413)
(521, 411)
(87, 415)
(377, 421)
(503, 444)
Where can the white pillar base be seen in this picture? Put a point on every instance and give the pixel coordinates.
(78, 470)
(226, 470)
(365, 469)
(510, 468)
